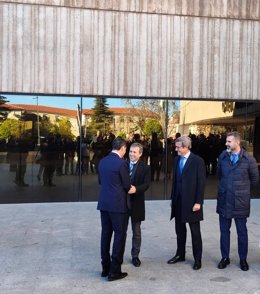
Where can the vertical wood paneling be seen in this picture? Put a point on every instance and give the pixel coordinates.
(143, 58)
(59, 50)
(245, 9)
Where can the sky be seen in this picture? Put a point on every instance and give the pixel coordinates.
(61, 102)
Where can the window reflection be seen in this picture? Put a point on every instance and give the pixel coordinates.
(50, 149)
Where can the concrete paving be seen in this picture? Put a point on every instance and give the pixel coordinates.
(54, 248)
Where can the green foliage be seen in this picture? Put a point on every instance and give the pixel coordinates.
(122, 135)
(45, 126)
(152, 125)
(11, 127)
(102, 116)
(3, 100)
(63, 128)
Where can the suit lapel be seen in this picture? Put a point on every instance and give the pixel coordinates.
(188, 161)
(134, 171)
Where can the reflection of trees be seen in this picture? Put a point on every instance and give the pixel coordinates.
(101, 117)
(63, 127)
(3, 112)
(155, 105)
(153, 126)
(45, 126)
(11, 127)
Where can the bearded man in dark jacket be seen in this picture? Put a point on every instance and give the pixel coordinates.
(237, 172)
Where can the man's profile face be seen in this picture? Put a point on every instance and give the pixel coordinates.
(134, 154)
(180, 149)
(123, 150)
(232, 144)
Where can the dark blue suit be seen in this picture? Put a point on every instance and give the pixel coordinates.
(188, 189)
(114, 179)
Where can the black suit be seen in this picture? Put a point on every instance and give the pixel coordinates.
(188, 189)
(140, 178)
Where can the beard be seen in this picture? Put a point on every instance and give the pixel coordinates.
(230, 149)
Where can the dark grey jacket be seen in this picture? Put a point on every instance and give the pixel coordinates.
(235, 182)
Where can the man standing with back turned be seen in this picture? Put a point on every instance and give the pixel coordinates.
(189, 177)
(113, 173)
(237, 171)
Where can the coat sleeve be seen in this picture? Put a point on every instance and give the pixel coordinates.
(146, 183)
(201, 180)
(253, 172)
(124, 173)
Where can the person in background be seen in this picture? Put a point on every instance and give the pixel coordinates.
(237, 172)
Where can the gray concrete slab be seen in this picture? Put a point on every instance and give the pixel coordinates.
(54, 248)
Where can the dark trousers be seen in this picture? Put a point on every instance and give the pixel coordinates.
(136, 239)
(225, 225)
(181, 232)
(116, 223)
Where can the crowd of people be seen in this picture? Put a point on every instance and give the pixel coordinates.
(59, 155)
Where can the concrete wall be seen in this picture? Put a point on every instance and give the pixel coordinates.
(131, 48)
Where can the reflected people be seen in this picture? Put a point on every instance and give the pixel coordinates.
(50, 156)
(18, 149)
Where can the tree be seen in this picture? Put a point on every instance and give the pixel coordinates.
(11, 127)
(63, 128)
(3, 112)
(153, 126)
(155, 105)
(102, 116)
(45, 126)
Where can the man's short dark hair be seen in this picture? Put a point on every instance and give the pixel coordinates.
(236, 135)
(117, 143)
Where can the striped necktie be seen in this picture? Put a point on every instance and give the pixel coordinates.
(131, 168)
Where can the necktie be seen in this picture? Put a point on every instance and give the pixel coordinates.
(181, 164)
(234, 158)
(131, 168)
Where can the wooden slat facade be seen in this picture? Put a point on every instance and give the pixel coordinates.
(204, 50)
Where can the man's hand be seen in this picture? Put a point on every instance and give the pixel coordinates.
(196, 207)
(132, 190)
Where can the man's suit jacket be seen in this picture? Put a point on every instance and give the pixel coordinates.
(141, 180)
(191, 189)
(113, 174)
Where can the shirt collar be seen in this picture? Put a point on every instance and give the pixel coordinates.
(186, 156)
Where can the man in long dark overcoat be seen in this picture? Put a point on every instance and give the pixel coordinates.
(189, 177)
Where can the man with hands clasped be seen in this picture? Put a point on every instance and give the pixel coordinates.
(140, 180)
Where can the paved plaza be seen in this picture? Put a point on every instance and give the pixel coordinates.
(54, 248)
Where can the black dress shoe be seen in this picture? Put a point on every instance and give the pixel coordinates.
(197, 265)
(114, 277)
(104, 273)
(223, 263)
(175, 259)
(136, 261)
(244, 265)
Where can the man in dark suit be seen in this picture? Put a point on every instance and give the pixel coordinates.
(140, 180)
(114, 179)
(189, 176)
